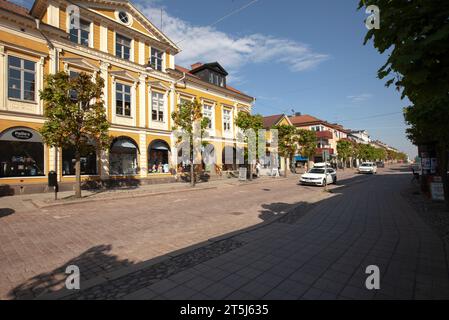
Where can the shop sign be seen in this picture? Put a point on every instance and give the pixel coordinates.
(22, 134)
(437, 191)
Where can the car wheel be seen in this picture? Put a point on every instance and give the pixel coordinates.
(335, 180)
(324, 182)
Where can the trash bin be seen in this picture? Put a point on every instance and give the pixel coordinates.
(52, 179)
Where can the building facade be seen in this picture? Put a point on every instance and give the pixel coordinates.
(143, 86)
(327, 134)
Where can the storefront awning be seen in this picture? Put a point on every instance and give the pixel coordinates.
(301, 158)
(20, 134)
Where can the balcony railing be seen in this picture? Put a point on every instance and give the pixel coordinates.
(324, 134)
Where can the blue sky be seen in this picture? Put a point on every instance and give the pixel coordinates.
(306, 55)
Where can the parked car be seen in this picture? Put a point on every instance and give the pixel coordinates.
(368, 167)
(322, 165)
(319, 177)
(380, 164)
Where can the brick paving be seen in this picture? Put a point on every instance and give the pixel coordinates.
(318, 252)
(104, 237)
(321, 255)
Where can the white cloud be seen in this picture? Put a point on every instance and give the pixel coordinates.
(207, 44)
(360, 97)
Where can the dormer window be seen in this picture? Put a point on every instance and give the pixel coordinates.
(210, 72)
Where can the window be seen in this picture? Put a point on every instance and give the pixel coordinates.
(123, 16)
(157, 57)
(122, 99)
(157, 106)
(317, 128)
(21, 79)
(81, 35)
(208, 113)
(216, 79)
(73, 93)
(88, 161)
(122, 47)
(226, 120)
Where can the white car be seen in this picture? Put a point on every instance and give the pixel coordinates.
(322, 165)
(368, 167)
(319, 177)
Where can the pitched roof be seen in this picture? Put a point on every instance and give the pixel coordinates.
(185, 70)
(270, 121)
(14, 8)
(304, 119)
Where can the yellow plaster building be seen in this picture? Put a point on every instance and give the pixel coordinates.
(143, 86)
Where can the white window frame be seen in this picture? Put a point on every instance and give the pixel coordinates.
(90, 42)
(131, 58)
(212, 118)
(123, 105)
(22, 71)
(225, 130)
(164, 108)
(162, 58)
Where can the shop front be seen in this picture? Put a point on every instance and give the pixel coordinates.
(22, 153)
(158, 157)
(123, 156)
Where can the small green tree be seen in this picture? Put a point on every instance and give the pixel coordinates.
(344, 150)
(246, 121)
(288, 143)
(307, 144)
(75, 115)
(189, 118)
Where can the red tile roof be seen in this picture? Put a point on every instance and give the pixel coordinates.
(14, 8)
(304, 119)
(270, 121)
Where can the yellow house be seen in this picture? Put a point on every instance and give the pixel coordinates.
(268, 123)
(143, 86)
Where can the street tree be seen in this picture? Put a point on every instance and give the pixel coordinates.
(75, 116)
(344, 150)
(307, 144)
(246, 121)
(188, 117)
(288, 143)
(416, 36)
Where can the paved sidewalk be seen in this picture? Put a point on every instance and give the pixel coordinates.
(104, 238)
(321, 253)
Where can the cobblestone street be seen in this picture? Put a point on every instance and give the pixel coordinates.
(102, 237)
(319, 250)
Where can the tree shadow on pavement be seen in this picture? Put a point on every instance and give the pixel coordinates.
(92, 263)
(4, 212)
(273, 240)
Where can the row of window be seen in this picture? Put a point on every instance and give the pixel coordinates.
(82, 34)
(22, 83)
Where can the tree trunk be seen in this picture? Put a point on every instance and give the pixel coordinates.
(78, 174)
(192, 173)
(443, 155)
(250, 172)
(286, 168)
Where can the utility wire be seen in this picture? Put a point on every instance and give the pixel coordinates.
(372, 116)
(226, 16)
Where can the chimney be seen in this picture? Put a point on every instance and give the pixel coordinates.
(196, 65)
(297, 114)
